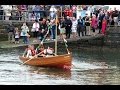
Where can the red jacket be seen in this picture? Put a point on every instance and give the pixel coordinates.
(68, 12)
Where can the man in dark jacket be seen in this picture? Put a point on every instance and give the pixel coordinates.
(68, 25)
(80, 26)
(100, 18)
(10, 30)
(43, 29)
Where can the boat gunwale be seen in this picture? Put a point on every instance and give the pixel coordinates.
(47, 57)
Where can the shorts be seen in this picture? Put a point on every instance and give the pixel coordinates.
(16, 39)
(62, 30)
(115, 19)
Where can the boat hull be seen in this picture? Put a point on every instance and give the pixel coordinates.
(60, 61)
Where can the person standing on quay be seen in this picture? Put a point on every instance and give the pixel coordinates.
(104, 26)
(35, 29)
(42, 29)
(24, 33)
(100, 18)
(10, 30)
(62, 28)
(17, 35)
(74, 27)
(94, 24)
(80, 26)
(87, 24)
(53, 29)
(68, 25)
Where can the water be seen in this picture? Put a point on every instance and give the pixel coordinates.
(91, 66)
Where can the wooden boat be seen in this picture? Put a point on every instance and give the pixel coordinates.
(60, 61)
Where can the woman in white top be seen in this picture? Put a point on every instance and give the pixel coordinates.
(35, 28)
(74, 27)
(24, 33)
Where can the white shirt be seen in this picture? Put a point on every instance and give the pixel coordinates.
(24, 31)
(35, 27)
(16, 35)
(74, 24)
(29, 53)
(49, 51)
(7, 9)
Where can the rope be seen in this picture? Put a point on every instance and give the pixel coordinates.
(65, 41)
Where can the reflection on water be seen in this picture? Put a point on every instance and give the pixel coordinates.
(91, 66)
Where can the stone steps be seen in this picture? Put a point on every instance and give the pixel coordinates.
(112, 37)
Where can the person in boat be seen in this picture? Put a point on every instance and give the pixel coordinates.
(40, 50)
(44, 52)
(49, 51)
(30, 51)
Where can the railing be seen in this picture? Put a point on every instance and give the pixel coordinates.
(25, 15)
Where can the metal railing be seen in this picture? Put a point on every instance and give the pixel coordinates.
(25, 15)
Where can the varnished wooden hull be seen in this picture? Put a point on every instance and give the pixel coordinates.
(60, 61)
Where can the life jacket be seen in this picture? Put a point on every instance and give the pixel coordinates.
(32, 51)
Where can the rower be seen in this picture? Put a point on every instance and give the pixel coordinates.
(30, 51)
(44, 52)
(40, 49)
(49, 51)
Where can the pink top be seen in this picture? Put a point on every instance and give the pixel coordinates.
(94, 22)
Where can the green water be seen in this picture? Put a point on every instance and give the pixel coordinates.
(92, 66)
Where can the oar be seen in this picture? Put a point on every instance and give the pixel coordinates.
(43, 38)
(31, 58)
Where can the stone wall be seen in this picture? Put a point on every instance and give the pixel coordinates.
(82, 42)
(3, 24)
(112, 37)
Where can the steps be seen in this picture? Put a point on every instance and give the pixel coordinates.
(112, 37)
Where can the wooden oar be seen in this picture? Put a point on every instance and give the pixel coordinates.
(31, 58)
(41, 43)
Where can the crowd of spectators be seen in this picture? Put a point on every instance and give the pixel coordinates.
(67, 25)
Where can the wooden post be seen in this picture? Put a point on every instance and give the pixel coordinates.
(61, 11)
(56, 36)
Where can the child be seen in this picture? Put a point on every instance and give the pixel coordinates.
(17, 35)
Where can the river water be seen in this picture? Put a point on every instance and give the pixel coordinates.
(91, 66)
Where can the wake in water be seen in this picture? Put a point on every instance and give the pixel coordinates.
(86, 65)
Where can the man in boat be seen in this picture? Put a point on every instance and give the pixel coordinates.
(49, 52)
(40, 50)
(30, 51)
(44, 52)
